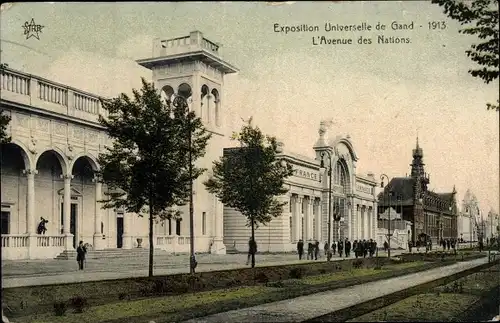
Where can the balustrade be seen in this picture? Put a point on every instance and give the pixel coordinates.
(14, 82)
(48, 91)
(14, 241)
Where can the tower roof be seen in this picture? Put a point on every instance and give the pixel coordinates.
(190, 48)
(418, 152)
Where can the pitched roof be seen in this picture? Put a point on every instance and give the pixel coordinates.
(400, 186)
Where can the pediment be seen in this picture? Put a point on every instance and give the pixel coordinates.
(74, 192)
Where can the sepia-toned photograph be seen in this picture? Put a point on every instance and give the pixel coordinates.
(289, 161)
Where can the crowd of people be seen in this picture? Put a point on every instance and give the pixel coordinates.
(361, 248)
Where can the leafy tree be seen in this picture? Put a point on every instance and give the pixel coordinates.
(154, 143)
(4, 119)
(484, 14)
(250, 177)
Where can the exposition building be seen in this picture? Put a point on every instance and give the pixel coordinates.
(430, 214)
(48, 170)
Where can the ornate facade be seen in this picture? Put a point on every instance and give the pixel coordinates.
(432, 214)
(48, 168)
(306, 214)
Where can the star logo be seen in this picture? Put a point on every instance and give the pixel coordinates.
(31, 29)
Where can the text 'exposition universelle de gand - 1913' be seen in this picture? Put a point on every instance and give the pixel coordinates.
(393, 33)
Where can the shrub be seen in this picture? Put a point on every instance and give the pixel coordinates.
(79, 303)
(261, 278)
(278, 284)
(357, 264)
(297, 273)
(60, 308)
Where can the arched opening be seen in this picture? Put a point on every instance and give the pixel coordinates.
(48, 182)
(340, 176)
(205, 103)
(184, 90)
(167, 93)
(82, 198)
(216, 98)
(13, 161)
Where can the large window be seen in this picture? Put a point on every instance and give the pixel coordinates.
(5, 222)
(178, 227)
(340, 175)
(204, 223)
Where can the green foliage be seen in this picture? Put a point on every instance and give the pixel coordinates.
(482, 18)
(4, 122)
(251, 176)
(150, 166)
(4, 119)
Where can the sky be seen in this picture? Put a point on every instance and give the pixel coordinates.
(382, 95)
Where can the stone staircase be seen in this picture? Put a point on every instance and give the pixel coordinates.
(111, 253)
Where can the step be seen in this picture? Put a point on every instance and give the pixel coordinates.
(111, 253)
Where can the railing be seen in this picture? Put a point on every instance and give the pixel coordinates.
(195, 41)
(395, 224)
(50, 241)
(44, 90)
(170, 240)
(15, 82)
(14, 241)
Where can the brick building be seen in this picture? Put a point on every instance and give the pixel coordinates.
(431, 214)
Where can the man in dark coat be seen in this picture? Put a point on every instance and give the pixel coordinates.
(252, 249)
(340, 248)
(334, 247)
(316, 250)
(310, 250)
(371, 248)
(300, 248)
(81, 251)
(410, 245)
(448, 243)
(355, 248)
(347, 248)
(365, 248)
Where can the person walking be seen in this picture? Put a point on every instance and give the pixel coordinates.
(81, 251)
(316, 250)
(252, 249)
(300, 248)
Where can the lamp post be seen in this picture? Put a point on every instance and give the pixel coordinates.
(181, 101)
(389, 215)
(329, 254)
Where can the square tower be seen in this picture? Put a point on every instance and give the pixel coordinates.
(191, 67)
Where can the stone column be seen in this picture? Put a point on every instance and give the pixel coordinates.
(317, 234)
(375, 220)
(98, 245)
(30, 207)
(127, 234)
(348, 234)
(298, 218)
(218, 246)
(310, 216)
(67, 212)
(358, 217)
(30, 212)
(370, 221)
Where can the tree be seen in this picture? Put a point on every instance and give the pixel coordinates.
(250, 177)
(154, 142)
(484, 13)
(4, 119)
(4, 122)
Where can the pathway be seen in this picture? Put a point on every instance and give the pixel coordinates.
(308, 307)
(51, 271)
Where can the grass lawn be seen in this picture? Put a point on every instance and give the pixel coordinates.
(423, 307)
(444, 304)
(173, 308)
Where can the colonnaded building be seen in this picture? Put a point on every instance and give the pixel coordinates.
(48, 170)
